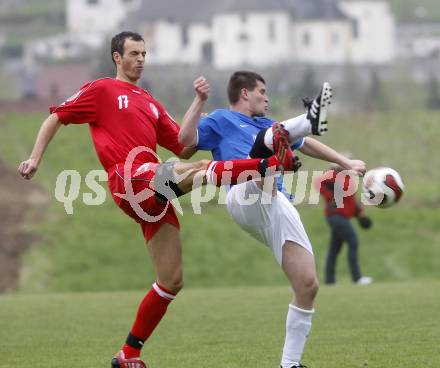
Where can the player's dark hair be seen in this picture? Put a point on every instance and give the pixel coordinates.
(118, 41)
(242, 79)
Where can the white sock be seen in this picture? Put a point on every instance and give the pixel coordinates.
(297, 127)
(298, 324)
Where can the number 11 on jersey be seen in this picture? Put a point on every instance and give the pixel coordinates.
(123, 102)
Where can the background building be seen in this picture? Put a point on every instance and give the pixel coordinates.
(229, 34)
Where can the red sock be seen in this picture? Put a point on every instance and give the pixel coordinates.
(231, 172)
(150, 312)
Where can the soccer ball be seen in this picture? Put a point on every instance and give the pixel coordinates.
(382, 187)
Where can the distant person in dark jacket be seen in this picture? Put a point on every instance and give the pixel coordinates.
(338, 218)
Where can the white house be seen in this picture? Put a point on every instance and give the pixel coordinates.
(320, 33)
(230, 33)
(97, 16)
(374, 31)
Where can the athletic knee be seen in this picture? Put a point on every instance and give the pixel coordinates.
(310, 287)
(177, 286)
(173, 285)
(313, 287)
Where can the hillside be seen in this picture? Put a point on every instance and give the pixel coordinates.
(97, 247)
(25, 20)
(416, 10)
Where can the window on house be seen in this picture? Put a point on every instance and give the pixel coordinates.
(185, 34)
(306, 38)
(355, 28)
(207, 53)
(92, 2)
(244, 37)
(335, 38)
(272, 29)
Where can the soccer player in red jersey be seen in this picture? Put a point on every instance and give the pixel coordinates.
(341, 206)
(126, 124)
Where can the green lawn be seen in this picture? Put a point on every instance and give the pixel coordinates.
(382, 325)
(97, 247)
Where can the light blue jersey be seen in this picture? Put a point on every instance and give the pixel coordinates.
(230, 135)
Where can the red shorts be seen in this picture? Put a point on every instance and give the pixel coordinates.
(149, 212)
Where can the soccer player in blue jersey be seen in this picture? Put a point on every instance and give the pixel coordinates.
(242, 131)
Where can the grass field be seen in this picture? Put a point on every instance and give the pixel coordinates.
(69, 310)
(385, 325)
(97, 252)
(96, 248)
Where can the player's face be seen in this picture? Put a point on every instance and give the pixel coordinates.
(131, 64)
(258, 100)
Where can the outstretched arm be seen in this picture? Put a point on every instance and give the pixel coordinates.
(188, 127)
(316, 149)
(28, 168)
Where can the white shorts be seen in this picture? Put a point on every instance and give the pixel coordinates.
(272, 221)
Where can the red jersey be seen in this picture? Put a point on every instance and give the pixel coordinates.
(328, 182)
(121, 116)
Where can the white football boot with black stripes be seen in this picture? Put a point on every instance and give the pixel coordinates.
(317, 109)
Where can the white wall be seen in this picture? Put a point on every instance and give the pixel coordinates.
(376, 31)
(164, 42)
(257, 39)
(102, 17)
(266, 44)
(198, 35)
(327, 42)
